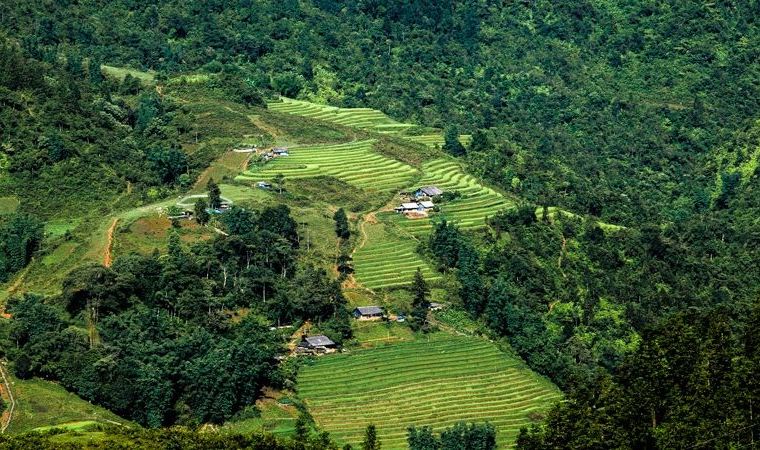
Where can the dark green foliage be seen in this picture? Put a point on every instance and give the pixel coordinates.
(444, 243)
(214, 194)
(341, 224)
(166, 438)
(164, 325)
(199, 211)
(451, 144)
(20, 237)
(462, 436)
(690, 383)
(370, 441)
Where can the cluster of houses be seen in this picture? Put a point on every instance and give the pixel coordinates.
(321, 344)
(420, 201)
(187, 214)
(275, 152)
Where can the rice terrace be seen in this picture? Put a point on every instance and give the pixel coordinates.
(438, 383)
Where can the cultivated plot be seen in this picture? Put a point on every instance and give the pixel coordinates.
(386, 260)
(437, 383)
(355, 163)
(477, 202)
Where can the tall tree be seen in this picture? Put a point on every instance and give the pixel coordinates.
(451, 144)
(214, 194)
(370, 442)
(201, 215)
(341, 224)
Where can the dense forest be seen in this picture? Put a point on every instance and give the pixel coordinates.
(639, 119)
(165, 326)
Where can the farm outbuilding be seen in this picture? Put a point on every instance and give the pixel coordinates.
(317, 344)
(407, 207)
(427, 192)
(426, 205)
(280, 151)
(368, 312)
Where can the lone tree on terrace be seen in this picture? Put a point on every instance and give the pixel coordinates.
(201, 215)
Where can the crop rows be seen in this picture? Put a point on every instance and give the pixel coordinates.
(438, 383)
(469, 211)
(355, 163)
(386, 261)
(363, 118)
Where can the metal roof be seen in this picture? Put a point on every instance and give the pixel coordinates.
(319, 341)
(431, 191)
(369, 310)
(427, 204)
(409, 206)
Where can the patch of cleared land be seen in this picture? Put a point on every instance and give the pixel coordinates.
(437, 383)
(355, 163)
(8, 205)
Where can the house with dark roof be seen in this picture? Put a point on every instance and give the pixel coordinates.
(280, 151)
(368, 312)
(317, 344)
(427, 192)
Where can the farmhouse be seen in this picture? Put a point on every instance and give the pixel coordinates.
(186, 214)
(317, 344)
(435, 306)
(368, 313)
(427, 192)
(415, 206)
(264, 185)
(408, 207)
(280, 151)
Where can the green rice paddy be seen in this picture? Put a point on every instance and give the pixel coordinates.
(355, 163)
(437, 383)
(468, 212)
(386, 260)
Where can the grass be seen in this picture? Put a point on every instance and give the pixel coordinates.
(274, 417)
(8, 205)
(146, 78)
(388, 260)
(41, 405)
(354, 163)
(469, 211)
(436, 383)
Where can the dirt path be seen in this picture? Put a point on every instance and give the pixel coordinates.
(260, 124)
(7, 396)
(107, 254)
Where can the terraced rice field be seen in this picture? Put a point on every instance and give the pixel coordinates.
(469, 211)
(355, 163)
(364, 118)
(387, 261)
(436, 383)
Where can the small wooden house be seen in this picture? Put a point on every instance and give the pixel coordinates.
(426, 205)
(264, 185)
(280, 151)
(317, 344)
(368, 313)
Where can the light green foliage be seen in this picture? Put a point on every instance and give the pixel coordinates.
(435, 381)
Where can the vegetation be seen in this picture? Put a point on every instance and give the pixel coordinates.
(436, 381)
(354, 163)
(606, 224)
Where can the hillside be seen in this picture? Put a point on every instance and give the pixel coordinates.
(435, 381)
(185, 187)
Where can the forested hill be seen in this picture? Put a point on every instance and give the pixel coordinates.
(616, 109)
(642, 114)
